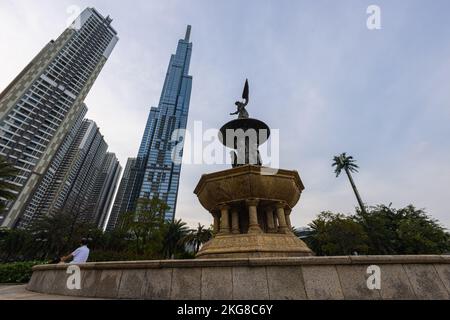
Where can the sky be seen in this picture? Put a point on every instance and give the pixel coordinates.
(316, 72)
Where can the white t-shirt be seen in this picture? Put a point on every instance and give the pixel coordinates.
(80, 255)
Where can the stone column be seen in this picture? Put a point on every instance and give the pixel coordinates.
(270, 221)
(216, 222)
(224, 220)
(275, 220)
(287, 213)
(282, 228)
(235, 222)
(253, 226)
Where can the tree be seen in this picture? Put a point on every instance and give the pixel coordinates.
(418, 233)
(15, 245)
(7, 173)
(115, 241)
(347, 163)
(59, 233)
(174, 232)
(381, 230)
(402, 231)
(145, 224)
(52, 232)
(381, 226)
(335, 234)
(197, 237)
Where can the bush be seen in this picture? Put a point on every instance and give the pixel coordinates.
(19, 272)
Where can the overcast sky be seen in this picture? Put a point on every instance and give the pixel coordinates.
(316, 73)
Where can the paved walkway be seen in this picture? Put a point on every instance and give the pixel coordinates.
(19, 292)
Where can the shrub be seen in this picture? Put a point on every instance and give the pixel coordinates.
(18, 272)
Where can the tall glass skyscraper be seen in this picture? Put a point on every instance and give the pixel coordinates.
(44, 102)
(154, 174)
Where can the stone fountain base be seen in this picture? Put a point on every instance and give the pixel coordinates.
(304, 278)
(251, 206)
(254, 246)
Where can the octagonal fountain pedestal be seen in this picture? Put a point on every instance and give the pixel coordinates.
(251, 206)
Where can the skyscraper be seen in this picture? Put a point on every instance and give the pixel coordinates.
(154, 173)
(84, 164)
(44, 102)
(118, 202)
(39, 200)
(81, 180)
(104, 188)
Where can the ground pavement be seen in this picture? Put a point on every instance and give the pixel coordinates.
(19, 292)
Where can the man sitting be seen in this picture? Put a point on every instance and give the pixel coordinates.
(80, 255)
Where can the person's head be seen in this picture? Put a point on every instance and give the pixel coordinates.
(84, 242)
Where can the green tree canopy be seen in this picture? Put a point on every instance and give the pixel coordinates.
(144, 226)
(402, 231)
(336, 234)
(380, 230)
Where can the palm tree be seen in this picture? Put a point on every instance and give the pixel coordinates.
(347, 163)
(197, 237)
(7, 173)
(173, 234)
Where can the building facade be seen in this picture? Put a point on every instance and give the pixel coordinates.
(154, 173)
(79, 177)
(119, 203)
(39, 200)
(81, 182)
(44, 103)
(104, 189)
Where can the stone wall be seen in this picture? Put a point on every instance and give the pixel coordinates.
(402, 277)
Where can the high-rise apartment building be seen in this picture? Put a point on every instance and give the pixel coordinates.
(40, 108)
(119, 200)
(105, 186)
(155, 174)
(76, 187)
(81, 182)
(39, 200)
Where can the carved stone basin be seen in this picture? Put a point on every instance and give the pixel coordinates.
(249, 182)
(260, 129)
(251, 206)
